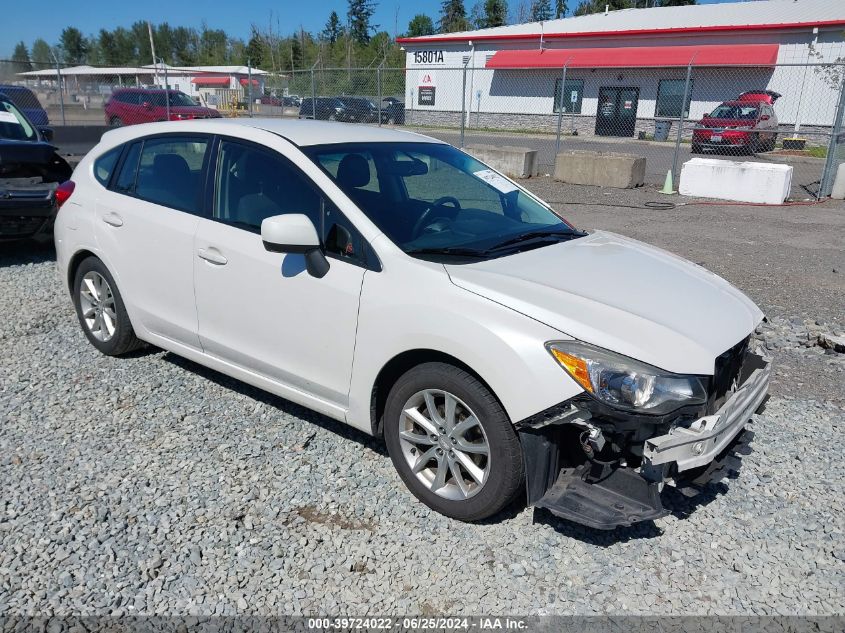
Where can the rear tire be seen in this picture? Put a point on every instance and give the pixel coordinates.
(116, 121)
(101, 311)
(474, 466)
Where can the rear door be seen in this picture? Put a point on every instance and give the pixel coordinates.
(145, 225)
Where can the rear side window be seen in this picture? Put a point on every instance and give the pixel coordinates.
(105, 164)
(125, 182)
(170, 172)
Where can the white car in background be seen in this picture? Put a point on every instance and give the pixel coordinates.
(392, 282)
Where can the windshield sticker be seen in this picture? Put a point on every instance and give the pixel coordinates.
(8, 117)
(496, 181)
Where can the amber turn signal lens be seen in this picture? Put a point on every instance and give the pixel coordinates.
(576, 367)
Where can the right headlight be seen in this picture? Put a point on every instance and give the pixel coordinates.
(626, 383)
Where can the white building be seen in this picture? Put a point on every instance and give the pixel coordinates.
(634, 63)
(196, 81)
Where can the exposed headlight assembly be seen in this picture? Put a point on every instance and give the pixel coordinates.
(626, 383)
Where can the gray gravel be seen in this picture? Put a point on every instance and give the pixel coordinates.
(151, 485)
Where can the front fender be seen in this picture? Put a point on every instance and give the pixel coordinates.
(409, 306)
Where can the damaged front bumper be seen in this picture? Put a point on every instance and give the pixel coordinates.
(686, 453)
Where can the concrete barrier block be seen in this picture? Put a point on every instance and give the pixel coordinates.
(838, 192)
(601, 169)
(742, 181)
(518, 162)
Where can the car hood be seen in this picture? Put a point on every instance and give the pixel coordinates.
(623, 295)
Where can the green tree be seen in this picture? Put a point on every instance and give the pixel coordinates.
(333, 29)
(560, 9)
(359, 14)
(255, 49)
(20, 58)
(541, 10)
(495, 13)
(453, 16)
(185, 46)
(420, 25)
(74, 47)
(41, 52)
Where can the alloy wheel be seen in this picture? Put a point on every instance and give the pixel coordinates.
(444, 444)
(96, 301)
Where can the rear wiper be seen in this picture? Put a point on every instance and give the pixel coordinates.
(447, 250)
(533, 235)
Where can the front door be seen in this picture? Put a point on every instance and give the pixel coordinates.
(262, 311)
(617, 111)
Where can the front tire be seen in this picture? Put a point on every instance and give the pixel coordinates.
(116, 121)
(452, 443)
(101, 311)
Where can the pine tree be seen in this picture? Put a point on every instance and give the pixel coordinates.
(73, 45)
(41, 53)
(560, 9)
(20, 58)
(255, 49)
(541, 10)
(333, 29)
(495, 13)
(360, 12)
(453, 16)
(420, 25)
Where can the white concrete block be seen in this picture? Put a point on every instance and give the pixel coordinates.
(838, 192)
(743, 181)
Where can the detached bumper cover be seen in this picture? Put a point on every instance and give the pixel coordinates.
(703, 440)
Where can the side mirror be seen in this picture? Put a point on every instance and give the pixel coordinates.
(295, 233)
(47, 133)
(765, 117)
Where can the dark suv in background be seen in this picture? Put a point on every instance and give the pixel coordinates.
(323, 108)
(28, 103)
(128, 106)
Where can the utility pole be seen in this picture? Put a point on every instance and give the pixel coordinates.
(153, 49)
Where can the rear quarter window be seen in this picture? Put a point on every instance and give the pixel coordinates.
(105, 164)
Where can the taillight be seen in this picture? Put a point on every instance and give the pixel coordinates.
(63, 192)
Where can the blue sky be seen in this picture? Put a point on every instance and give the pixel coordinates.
(235, 16)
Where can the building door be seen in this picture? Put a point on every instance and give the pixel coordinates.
(617, 111)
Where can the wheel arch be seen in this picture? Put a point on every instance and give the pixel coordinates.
(399, 365)
(73, 264)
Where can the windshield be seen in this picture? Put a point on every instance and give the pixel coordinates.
(13, 124)
(433, 199)
(176, 99)
(734, 111)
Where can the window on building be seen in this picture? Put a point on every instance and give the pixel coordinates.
(573, 94)
(670, 95)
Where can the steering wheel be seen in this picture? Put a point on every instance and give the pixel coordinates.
(426, 216)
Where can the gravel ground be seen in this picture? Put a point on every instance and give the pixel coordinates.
(148, 484)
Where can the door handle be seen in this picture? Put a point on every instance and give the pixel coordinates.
(212, 255)
(113, 219)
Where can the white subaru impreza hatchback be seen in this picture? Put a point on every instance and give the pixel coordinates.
(392, 282)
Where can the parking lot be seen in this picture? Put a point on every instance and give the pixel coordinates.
(149, 484)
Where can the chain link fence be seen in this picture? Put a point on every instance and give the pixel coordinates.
(789, 113)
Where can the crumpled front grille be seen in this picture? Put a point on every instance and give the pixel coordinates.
(727, 371)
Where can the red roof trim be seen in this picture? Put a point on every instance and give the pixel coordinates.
(685, 29)
(210, 80)
(763, 55)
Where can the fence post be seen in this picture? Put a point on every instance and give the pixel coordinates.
(830, 167)
(61, 87)
(166, 91)
(681, 117)
(464, 103)
(249, 84)
(378, 81)
(314, 91)
(560, 107)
